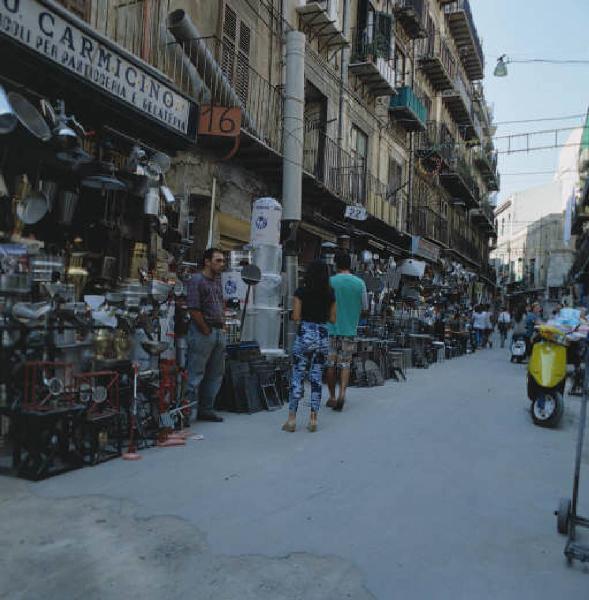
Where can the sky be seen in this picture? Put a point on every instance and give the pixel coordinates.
(532, 29)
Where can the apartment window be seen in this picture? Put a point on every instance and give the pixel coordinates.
(400, 66)
(359, 151)
(235, 52)
(395, 181)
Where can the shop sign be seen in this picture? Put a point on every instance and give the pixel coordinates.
(96, 60)
(356, 212)
(424, 248)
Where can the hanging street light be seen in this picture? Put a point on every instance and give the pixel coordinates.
(502, 62)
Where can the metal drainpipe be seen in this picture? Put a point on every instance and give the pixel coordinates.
(411, 162)
(345, 58)
(292, 171)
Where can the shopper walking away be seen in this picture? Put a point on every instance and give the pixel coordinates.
(489, 326)
(504, 324)
(531, 320)
(351, 299)
(479, 323)
(313, 307)
(206, 336)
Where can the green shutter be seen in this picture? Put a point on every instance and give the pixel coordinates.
(383, 32)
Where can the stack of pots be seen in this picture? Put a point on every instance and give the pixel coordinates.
(265, 320)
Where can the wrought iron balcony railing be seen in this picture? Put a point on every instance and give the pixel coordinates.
(223, 75)
(341, 173)
(427, 223)
(464, 31)
(371, 60)
(436, 61)
(411, 15)
(408, 109)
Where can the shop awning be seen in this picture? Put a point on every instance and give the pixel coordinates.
(319, 232)
(233, 232)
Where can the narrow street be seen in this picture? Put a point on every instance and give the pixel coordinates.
(436, 488)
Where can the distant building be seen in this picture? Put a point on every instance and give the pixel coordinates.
(579, 274)
(535, 252)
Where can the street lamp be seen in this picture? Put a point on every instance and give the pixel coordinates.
(501, 67)
(502, 62)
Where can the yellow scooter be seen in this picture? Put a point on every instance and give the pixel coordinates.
(547, 369)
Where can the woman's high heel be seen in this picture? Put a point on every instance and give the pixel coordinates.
(289, 426)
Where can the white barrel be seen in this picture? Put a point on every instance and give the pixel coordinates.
(268, 258)
(233, 285)
(265, 223)
(268, 293)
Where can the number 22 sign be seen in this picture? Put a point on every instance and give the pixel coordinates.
(356, 212)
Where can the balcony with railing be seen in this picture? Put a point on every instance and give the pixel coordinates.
(429, 224)
(320, 20)
(371, 61)
(484, 217)
(458, 101)
(407, 109)
(208, 69)
(485, 159)
(458, 181)
(435, 146)
(463, 30)
(329, 167)
(465, 247)
(410, 15)
(140, 28)
(436, 61)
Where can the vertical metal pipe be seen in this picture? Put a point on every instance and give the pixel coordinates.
(293, 124)
(345, 57)
(292, 171)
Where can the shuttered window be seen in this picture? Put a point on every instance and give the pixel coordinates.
(235, 54)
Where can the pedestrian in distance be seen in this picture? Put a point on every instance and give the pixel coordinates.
(313, 308)
(206, 338)
(504, 324)
(479, 324)
(489, 326)
(351, 300)
(532, 319)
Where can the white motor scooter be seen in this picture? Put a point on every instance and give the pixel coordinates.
(518, 347)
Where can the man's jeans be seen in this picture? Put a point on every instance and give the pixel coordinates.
(206, 366)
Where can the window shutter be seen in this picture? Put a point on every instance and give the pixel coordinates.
(236, 52)
(228, 43)
(383, 31)
(242, 76)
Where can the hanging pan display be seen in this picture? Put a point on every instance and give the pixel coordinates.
(101, 176)
(8, 118)
(33, 208)
(29, 117)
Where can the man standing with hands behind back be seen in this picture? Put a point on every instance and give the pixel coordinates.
(350, 300)
(206, 336)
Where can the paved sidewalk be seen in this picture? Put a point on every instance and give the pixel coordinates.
(436, 488)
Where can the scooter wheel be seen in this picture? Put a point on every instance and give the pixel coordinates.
(548, 413)
(563, 515)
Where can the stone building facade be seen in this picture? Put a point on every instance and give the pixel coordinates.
(395, 118)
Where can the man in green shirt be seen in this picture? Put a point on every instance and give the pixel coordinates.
(350, 300)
